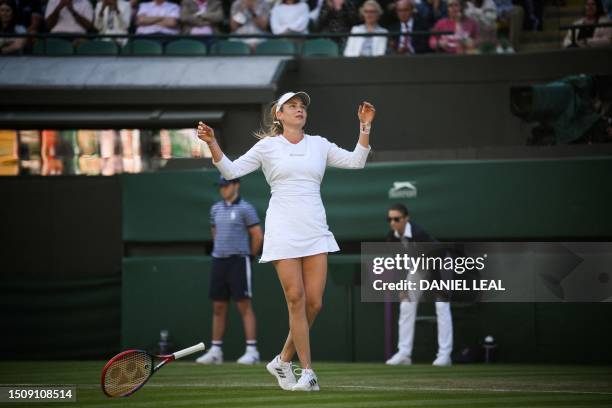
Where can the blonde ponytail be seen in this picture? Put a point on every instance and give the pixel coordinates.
(270, 126)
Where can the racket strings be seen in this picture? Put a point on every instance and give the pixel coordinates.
(127, 373)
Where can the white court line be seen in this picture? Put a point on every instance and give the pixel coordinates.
(357, 387)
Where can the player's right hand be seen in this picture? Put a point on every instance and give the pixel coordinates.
(205, 132)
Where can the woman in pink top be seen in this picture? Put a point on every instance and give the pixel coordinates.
(465, 30)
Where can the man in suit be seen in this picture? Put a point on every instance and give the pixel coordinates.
(409, 21)
(405, 231)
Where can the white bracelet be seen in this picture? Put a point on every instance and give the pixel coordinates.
(365, 128)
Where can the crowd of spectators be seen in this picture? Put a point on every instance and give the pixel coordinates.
(475, 25)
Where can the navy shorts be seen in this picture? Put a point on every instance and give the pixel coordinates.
(230, 277)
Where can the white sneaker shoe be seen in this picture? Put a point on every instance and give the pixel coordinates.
(399, 358)
(283, 373)
(442, 361)
(307, 382)
(249, 357)
(213, 356)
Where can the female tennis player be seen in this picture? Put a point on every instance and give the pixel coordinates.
(296, 238)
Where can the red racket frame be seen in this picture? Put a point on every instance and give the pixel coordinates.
(165, 359)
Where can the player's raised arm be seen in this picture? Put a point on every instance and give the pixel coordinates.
(366, 114)
(245, 164)
(356, 159)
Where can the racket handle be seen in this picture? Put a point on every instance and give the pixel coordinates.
(189, 350)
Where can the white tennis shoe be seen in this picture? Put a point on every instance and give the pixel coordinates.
(399, 358)
(249, 357)
(308, 381)
(213, 356)
(442, 361)
(283, 373)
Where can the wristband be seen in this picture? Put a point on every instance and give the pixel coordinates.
(365, 128)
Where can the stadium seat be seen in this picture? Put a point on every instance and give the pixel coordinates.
(275, 47)
(321, 47)
(226, 47)
(142, 46)
(185, 47)
(53, 46)
(97, 47)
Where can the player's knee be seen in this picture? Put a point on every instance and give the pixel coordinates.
(295, 299)
(314, 306)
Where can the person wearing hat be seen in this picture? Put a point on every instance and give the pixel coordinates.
(297, 238)
(237, 236)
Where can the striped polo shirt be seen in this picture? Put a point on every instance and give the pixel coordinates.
(231, 222)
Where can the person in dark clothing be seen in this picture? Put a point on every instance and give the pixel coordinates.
(337, 16)
(409, 21)
(403, 230)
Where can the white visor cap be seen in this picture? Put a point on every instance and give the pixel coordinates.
(289, 95)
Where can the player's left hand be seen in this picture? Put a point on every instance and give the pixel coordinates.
(366, 112)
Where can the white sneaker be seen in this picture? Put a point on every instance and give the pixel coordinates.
(442, 361)
(283, 373)
(213, 356)
(307, 382)
(249, 357)
(399, 358)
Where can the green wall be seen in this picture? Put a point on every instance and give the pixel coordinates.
(489, 200)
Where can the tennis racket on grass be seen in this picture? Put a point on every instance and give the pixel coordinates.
(128, 371)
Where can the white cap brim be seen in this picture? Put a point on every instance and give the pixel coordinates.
(289, 95)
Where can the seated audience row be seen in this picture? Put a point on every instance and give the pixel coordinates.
(476, 25)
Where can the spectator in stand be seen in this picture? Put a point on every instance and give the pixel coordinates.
(510, 19)
(484, 12)
(201, 17)
(289, 17)
(607, 7)
(134, 4)
(367, 46)
(113, 17)
(158, 17)
(591, 37)
(315, 8)
(250, 17)
(431, 10)
(533, 14)
(69, 16)
(465, 31)
(30, 15)
(337, 16)
(409, 21)
(389, 16)
(8, 25)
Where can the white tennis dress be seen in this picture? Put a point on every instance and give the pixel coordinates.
(296, 224)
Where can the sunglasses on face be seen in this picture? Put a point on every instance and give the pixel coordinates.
(394, 219)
